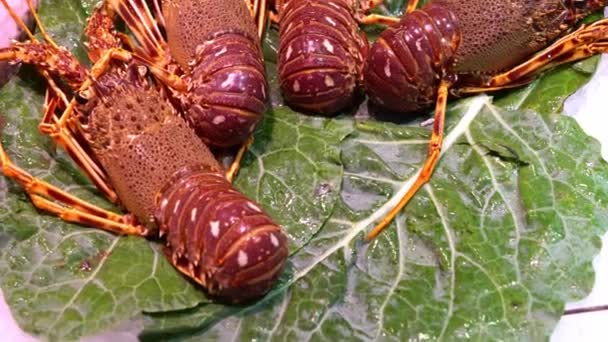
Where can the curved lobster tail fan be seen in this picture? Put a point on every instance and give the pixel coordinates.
(229, 91)
(321, 55)
(218, 237)
(406, 63)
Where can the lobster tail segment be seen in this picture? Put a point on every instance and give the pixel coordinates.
(218, 237)
(407, 62)
(229, 91)
(321, 55)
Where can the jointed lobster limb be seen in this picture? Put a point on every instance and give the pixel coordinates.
(48, 197)
(429, 165)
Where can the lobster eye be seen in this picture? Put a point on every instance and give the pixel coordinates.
(82, 97)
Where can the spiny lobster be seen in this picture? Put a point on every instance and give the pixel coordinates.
(211, 60)
(322, 52)
(448, 46)
(123, 131)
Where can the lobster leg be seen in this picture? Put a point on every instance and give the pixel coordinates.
(429, 166)
(582, 43)
(63, 136)
(366, 6)
(260, 12)
(48, 197)
(236, 164)
(377, 19)
(411, 6)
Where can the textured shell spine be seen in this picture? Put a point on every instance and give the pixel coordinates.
(218, 237)
(139, 139)
(321, 55)
(405, 65)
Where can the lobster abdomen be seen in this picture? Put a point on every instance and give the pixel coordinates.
(228, 93)
(406, 63)
(216, 44)
(321, 55)
(218, 237)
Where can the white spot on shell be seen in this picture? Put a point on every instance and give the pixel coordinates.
(215, 228)
(387, 69)
(328, 45)
(193, 215)
(142, 70)
(219, 119)
(163, 204)
(331, 21)
(296, 86)
(253, 206)
(221, 52)
(242, 259)
(176, 206)
(289, 52)
(274, 240)
(229, 81)
(329, 82)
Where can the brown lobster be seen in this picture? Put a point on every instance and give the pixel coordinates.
(446, 45)
(123, 131)
(440, 47)
(322, 52)
(211, 60)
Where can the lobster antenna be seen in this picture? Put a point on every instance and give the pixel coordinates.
(262, 12)
(160, 19)
(31, 36)
(18, 20)
(145, 15)
(43, 32)
(136, 14)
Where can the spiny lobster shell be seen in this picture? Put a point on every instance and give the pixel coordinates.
(499, 34)
(220, 238)
(167, 178)
(321, 55)
(405, 64)
(216, 44)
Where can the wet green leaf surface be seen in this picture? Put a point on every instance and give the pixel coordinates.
(491, 249)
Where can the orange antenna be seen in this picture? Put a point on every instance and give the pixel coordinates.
(18, 20)
(43, 32)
